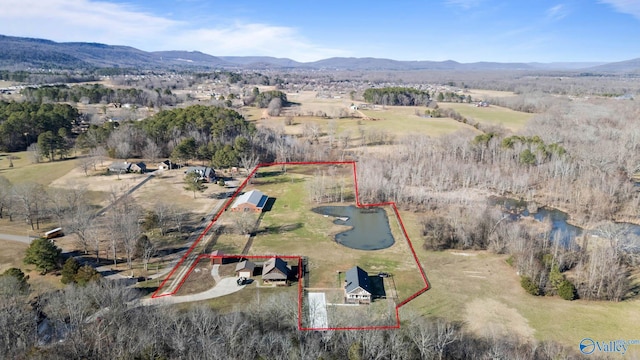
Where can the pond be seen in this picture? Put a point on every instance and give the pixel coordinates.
(561, 230)
(369, 226)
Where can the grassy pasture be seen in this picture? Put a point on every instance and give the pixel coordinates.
(394, 120)
(23, 169)
(495, 115)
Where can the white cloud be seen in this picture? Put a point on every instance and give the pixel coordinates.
(252, 39)
(116, 24)
(631, 7)
(557, 12)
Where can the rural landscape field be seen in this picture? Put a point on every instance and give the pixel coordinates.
(301, 200)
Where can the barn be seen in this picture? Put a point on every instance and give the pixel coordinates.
(253, 200)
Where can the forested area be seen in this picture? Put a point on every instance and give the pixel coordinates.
(555, 163)
(94, 94)
(21, 123)
(396, 96)
(101, 321)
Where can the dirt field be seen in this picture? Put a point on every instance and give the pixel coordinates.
(167, 186)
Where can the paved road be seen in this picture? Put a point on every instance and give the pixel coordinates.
(18, 238)
(224, 286)
(171, 286)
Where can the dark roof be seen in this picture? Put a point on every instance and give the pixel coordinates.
(254, 197)
(245, 265)
(203, 171)
(275, 269)
(357, 278)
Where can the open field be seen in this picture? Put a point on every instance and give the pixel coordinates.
(23, 169)
(481, 94)
(396, 121)
(492, 115)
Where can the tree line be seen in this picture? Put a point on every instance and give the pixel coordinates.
(101, 321)
(21, 123)
(396, 96)
(93, 94)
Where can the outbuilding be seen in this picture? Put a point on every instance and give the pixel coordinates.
(245, 269)
(253, 200)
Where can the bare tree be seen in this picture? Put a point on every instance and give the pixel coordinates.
(78, 221)
(249, 162)
(30, 202)
(5, 196)
(151, 151)
(275, 107)
(86, 163)
(244, 222)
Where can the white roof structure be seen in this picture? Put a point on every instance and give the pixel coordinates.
(253, 197)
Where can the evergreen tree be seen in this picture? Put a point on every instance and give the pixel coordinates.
(44, 254)
(69, 271)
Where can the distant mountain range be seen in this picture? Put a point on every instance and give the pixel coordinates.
(23, 53)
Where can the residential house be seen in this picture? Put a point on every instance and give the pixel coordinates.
(276, 271)
(245, 269)
(253, 200)
(357, 288)
(167, 165)
(138, 167)
(205, 173)
(120, 167)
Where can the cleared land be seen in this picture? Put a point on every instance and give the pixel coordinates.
(394, 121)
(491, 115)
(23, 169)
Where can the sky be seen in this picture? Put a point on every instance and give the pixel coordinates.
(309, 30)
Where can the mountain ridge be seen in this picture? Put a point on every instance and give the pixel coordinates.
(22, 53)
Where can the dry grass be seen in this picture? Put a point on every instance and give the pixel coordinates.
(11, 255)
(199, 280)
(482, 290)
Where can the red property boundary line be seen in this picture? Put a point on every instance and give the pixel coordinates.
(426, 287)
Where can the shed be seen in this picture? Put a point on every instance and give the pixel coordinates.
(357, 288)
(276, 271)
(253, 200)
(245, 269)
(216, 257)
